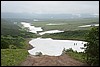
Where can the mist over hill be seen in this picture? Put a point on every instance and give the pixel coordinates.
(47, 16)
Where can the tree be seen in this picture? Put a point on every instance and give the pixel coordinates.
(92, 47)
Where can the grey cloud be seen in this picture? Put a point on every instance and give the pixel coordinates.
(50, 6)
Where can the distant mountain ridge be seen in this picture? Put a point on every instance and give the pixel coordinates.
(47, 16)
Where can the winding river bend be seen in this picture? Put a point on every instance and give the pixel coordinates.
(51, 47)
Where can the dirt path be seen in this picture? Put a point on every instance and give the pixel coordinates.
(63, 60)
(45, 60)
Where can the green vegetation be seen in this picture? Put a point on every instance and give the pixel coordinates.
(14, 30)
(13, 43)
(76, 55)
(69, 24)
(92, 48)
(12, 36)
(16, 42)
(14, 39)
(91, 54)
(9, 28)
(13, 57)
(71, 35)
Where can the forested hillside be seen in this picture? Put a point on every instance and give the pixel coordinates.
(71, 35)
(12, 36)
(9, 28)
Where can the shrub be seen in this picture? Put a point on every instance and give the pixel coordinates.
(38, 53)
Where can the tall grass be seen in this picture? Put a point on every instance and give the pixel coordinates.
(13, 57)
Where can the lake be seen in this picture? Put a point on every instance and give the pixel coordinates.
(51, 31)
(34, 29)
(89, 25)
(52, 47)
(55, 24)
(49, 46)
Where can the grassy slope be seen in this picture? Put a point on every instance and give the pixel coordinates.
(12, 57)
(69, 25)
(76, 35)
(78, 56)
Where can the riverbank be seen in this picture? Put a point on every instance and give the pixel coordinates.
(55, 46)
(27, 43)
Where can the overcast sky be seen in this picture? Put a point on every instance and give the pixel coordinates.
(50, 7)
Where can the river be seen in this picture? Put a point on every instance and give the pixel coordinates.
(51, 47)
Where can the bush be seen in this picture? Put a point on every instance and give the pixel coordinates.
(92, 47)
(12, 47)
(38, 53)
(69, 50)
